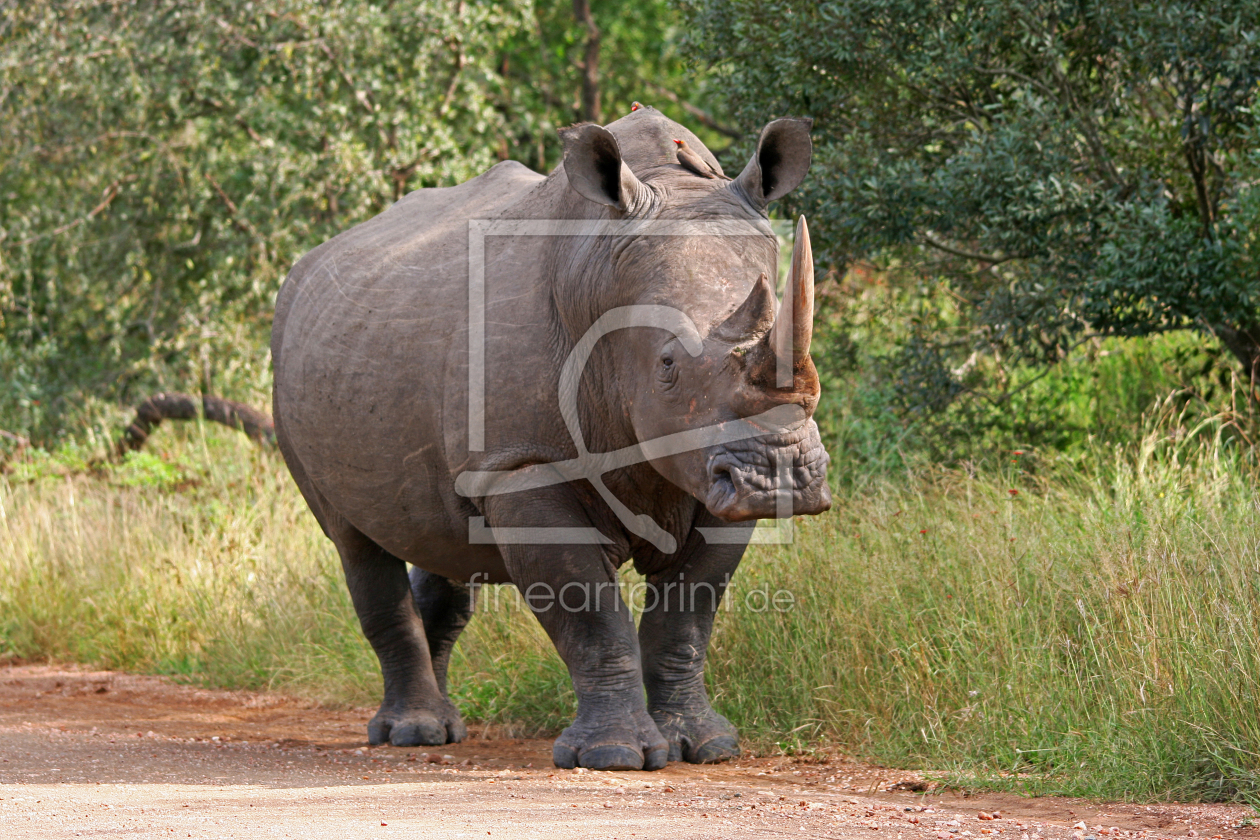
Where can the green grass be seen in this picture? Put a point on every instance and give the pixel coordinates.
(1094, 633)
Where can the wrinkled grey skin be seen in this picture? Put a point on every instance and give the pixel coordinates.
(370, 348)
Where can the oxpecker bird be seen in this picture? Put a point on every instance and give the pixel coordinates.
(692, 161)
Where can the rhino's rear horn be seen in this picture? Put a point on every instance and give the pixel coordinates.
(793, 328)
(755, 316)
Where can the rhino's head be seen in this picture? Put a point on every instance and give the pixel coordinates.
(721, 395)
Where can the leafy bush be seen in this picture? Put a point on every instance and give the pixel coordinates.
(1061, 171)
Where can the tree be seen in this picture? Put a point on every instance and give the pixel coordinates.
(589, 60)
(162, 165)
(165, 163)
(1070, 168)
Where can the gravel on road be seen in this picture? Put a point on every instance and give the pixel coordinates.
(103, 754)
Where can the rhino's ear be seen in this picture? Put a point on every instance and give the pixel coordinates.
(780, 162)
(592, 162)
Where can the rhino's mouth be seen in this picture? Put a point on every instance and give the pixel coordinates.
(769, 477)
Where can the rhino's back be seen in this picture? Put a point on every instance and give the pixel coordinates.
(367, 328)
(418, 243)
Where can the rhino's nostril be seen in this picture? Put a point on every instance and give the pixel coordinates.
(721, 467)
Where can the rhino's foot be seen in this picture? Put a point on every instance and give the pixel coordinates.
(700, 737)
(623, 742)
(417, 727)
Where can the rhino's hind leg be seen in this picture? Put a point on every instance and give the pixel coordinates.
(445, 607)
(674, 637)
(415, 710)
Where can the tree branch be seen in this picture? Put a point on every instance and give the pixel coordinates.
(363, 97)
(110, 192)
(1194, 147)
(400, 174)
(1068, 101)
(966, 255)
(241, 224)
(702, 116)
(459, 66)
(1023, 77)
(1007, 395)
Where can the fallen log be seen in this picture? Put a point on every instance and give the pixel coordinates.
(150, 414)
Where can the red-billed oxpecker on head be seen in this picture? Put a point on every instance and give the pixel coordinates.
(692, 161)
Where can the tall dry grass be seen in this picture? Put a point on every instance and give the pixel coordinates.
(1089, 633)
(1034, 625)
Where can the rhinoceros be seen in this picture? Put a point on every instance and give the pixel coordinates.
(534, 379)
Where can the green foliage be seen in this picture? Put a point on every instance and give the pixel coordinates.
(887, 405)
(144, 469)
(639, 60)
(38, 464)
(162, 165)
(166, 163)
(224, 578)
(1064, 169)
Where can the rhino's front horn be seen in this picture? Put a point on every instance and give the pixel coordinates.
(794, 327)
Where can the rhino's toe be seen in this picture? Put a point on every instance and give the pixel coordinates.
(416, 729)
(606, 757)
(699, 737)
(419, 733)
(609, 757)
(616, 747)
(564, 756)
(721, 748)
(612, 757)
(657, 757)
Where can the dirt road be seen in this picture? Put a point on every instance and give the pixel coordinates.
(102, 754)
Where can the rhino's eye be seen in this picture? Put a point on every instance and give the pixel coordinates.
(669, 371)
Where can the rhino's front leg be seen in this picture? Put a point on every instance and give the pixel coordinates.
(572, 589)
(679, 606)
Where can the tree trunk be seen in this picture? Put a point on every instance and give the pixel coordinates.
(1243, 340)
(590, 63)
(150, 414)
